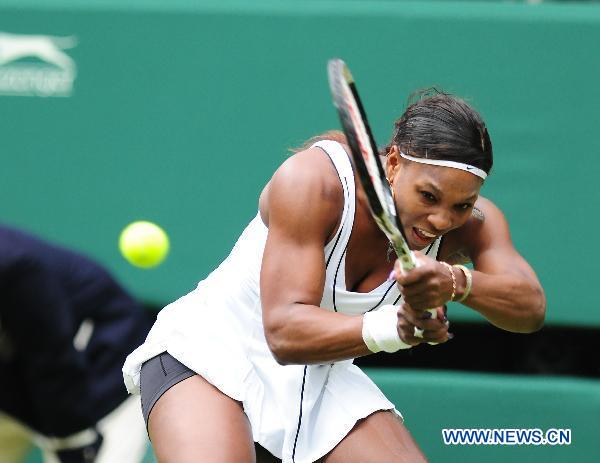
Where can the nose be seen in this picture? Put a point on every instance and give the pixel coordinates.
(441, 221)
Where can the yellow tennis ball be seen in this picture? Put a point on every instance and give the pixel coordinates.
(144, 244)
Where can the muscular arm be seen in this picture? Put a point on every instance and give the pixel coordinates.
(505, 290)
(302, 209)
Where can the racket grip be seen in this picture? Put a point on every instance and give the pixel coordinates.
(409, 262)
(415, 263)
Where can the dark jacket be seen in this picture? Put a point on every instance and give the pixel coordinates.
(46, 293)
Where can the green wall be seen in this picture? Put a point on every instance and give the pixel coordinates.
(432, 401)
(180, 111)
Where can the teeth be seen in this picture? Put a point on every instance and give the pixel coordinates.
(424, 233)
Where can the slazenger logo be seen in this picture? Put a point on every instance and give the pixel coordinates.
(36, 65)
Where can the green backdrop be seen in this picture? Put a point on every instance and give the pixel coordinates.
(432, 401)
(181, 110)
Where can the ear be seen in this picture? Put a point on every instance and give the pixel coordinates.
(393, 163)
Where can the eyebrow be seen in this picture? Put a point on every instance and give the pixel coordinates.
(439, 192)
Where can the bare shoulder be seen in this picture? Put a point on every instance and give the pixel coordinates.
(486, 225)
(311, 168)
(305, 185)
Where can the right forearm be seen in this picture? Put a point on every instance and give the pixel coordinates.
(307, 334)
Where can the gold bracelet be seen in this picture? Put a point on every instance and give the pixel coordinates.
(451, 270)
(468, 284)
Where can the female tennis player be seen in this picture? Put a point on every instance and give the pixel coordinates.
(261, 351)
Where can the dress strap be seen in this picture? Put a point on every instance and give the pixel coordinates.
(336, 248)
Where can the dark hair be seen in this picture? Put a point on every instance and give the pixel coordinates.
(442, 126)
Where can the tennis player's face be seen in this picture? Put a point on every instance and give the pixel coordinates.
(432, 200)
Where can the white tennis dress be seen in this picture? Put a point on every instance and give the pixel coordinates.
(297, 412)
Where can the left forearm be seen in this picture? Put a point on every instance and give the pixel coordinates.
(510, 302)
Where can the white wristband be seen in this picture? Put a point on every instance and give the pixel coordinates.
(380, 330)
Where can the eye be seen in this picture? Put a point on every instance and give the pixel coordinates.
(427, 196)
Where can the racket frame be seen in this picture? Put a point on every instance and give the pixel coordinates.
(365, 155)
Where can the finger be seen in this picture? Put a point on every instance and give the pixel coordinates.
(408, 336)
(420, 303)
(406, 332)
(423, 320)
(427, 292)
(437, 331)
(428, 279)
(407, 277)
(440, 313)
(415, 336)
(405, 309)
(438, 336)
(414, 289)
(422, 300)
(441, 316)
(420, 258)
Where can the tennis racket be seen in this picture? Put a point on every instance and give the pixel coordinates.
(366, 160)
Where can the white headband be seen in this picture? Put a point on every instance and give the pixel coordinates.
(455, 165)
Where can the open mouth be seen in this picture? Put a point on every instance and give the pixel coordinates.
(423, 236)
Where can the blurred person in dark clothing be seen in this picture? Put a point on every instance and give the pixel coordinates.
(66, 327)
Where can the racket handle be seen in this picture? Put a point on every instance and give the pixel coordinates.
(415, 263)
(409, 262)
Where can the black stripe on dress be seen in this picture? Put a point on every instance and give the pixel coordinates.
(382, 297)
(300, 415)
(429, 248)
(437, 254)
(336, 275)
(347, 193)
(346, 198)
